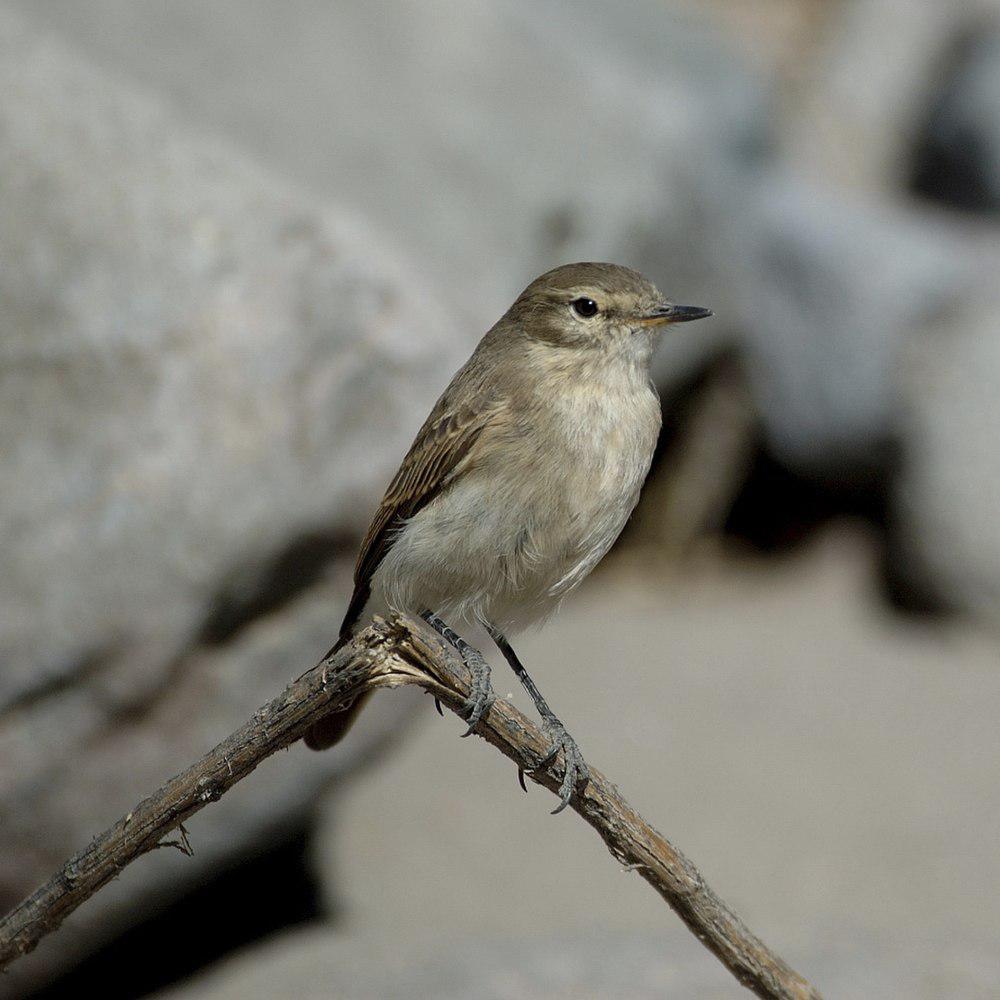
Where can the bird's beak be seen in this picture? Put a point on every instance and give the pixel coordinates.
(670, 313)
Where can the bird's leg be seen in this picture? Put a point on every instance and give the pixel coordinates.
(481, 694)
(577, 773)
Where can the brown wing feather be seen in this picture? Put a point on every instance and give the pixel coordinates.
(444, 446)
(444, 441)
(436, 455)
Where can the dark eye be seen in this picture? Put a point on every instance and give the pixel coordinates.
(584, 307)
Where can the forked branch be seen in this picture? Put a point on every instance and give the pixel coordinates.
(390, 654)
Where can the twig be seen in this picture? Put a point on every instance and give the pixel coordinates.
(391, 654)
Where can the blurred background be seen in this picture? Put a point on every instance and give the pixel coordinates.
(244, 245)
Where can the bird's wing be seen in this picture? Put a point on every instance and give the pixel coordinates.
(443, 448)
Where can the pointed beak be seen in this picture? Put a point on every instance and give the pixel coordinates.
(670, 313)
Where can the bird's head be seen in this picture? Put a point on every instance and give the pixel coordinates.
(596, 305)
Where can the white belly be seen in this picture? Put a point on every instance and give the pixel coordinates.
(505, 543)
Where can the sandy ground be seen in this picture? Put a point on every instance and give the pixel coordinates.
(830, 766)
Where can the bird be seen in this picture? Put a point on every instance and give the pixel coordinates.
(520, 480)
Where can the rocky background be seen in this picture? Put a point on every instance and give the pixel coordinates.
(243, 245)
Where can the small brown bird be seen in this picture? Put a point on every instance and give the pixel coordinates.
(521, 478)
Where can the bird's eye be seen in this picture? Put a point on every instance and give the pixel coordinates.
(584, 307)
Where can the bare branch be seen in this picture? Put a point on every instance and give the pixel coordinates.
(390, 654)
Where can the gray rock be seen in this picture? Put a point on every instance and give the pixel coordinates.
(198, 363)
(949, 494)
(863, 94)
(831, 287)
(206, 378)
(495, 139)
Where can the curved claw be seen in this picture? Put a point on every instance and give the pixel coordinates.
(576, 774)
(481, 695)
(576, 777)
(475, 708)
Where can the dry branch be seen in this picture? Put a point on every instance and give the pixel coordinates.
(390, 654)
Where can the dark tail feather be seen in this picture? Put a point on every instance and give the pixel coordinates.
(332, 728)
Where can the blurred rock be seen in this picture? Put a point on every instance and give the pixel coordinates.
(957, 159)
(949, 495)
(206, 379)
(197, 363)
(497, 137)
(865, 92)
(830, 287)
(494, 138)
(778, 35)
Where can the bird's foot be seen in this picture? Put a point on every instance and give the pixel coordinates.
(481, 695)
(576, 774)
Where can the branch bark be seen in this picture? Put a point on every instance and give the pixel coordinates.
(391, 654)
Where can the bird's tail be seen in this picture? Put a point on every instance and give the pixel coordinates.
(332, 728)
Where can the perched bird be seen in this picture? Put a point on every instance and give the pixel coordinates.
(521, 478)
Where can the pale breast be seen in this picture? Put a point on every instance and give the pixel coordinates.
(609, 441)
(512, 536)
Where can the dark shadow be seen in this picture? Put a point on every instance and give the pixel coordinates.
(257, 591)
(777, 508)
(950, 162)
(264, 894)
